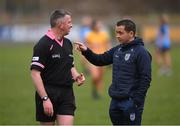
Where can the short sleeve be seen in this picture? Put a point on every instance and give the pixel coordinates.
(39, 58)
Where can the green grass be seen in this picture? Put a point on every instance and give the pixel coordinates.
(17, 92)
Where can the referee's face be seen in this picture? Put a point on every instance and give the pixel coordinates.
(122, 35)
(66, 24)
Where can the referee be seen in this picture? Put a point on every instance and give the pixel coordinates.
(53, 73)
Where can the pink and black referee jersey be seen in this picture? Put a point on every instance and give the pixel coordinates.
(54, 59)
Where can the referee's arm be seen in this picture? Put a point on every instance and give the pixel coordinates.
(39, 59)
(36, 77)
(40, 52)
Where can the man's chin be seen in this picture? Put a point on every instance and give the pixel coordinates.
(66, 33)
(119, 40)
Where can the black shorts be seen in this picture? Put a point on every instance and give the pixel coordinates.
(63, 101)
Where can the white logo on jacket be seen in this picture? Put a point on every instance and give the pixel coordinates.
(127, 56)
(116, 56)
(132, 116)
(70, 55)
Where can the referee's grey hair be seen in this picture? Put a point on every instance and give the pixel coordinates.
(56, 15)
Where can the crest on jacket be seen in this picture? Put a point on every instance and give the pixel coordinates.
(127, 56)
(132, 116)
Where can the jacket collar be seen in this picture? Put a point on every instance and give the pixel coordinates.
(136, 41)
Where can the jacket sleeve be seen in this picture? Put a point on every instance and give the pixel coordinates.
(144, 72)
(99, 59)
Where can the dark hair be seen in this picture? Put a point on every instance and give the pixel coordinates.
(56, 15)
(129, 25)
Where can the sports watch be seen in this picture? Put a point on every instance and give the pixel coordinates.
(45, 98)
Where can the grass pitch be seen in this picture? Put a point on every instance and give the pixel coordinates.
(17, 92)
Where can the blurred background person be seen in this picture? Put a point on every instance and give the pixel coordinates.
(163, 45)
(98, 41)
(85, 28)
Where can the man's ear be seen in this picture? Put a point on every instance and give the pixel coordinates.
(60, 24)
(131, 33)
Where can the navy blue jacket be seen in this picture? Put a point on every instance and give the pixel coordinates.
(131, 75)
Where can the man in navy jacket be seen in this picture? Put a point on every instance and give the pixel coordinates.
(131, 75)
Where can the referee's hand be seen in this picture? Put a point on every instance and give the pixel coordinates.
(48, 108)
(80, 79)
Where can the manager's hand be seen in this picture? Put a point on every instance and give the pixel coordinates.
(80, 46)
